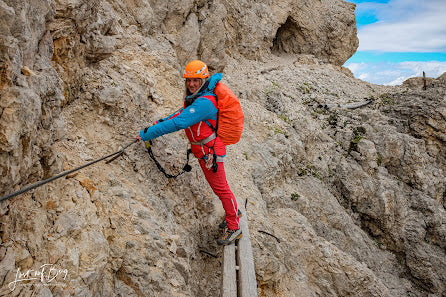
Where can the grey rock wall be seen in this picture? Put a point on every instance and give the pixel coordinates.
(31, 93)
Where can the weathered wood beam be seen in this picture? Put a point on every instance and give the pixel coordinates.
(229, 283)
(247, 283)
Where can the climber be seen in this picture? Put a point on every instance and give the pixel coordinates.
(199, 119)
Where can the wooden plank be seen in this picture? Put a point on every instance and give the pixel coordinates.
(247, 282)
(229, 285)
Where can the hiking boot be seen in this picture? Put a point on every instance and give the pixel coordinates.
(230, 236)
(224, 223)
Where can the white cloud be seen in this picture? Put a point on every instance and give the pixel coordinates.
(385, 73)
(356, 67)
(432, 69)
(405, 26)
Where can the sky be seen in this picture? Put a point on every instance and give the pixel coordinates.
(399, 39)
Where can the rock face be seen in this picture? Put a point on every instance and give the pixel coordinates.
(30, 100)
(325, 29)
(47, 45)
(356, 196)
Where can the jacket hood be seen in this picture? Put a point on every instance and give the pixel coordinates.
(213, 80)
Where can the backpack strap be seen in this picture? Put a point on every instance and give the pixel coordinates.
(218, 113)
(206, 140)
(214, 129)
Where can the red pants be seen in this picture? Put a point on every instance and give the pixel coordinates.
(217, 181)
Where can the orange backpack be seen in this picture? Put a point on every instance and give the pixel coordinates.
(230, 116)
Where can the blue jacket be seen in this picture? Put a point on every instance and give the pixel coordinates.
(200, 110)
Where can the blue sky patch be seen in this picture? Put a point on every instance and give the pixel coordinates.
(398, 38)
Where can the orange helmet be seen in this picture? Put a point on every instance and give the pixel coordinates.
(196, 69)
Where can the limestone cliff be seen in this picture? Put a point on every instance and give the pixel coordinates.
(357, 196)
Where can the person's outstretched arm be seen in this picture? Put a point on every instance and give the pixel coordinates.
(202, 109)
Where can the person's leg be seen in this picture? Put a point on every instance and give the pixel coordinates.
(217, 181)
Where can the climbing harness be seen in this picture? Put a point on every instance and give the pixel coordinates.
(41, 183)
(186, 168)
(210, 159)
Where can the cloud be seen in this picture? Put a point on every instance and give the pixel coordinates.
(433, 68)
(356, 67)
(386, 73)
(404, 26)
